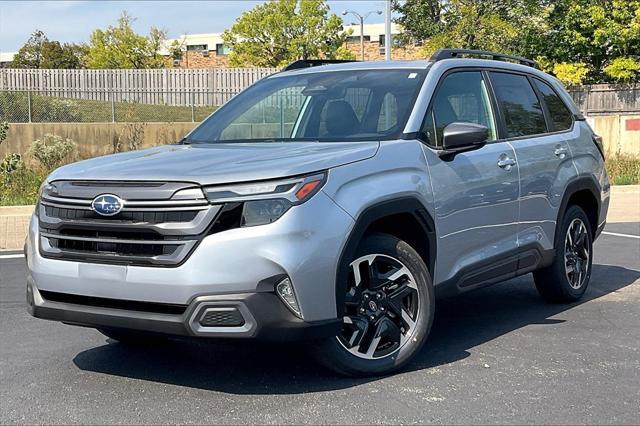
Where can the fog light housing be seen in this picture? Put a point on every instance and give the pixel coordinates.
(285, 291)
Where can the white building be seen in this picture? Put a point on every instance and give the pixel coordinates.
(6, 58)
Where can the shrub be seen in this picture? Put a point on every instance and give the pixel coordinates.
(20, 186)
(18, 183)
(4, 130)
(11, 163)
(623, 169)
(52, 151)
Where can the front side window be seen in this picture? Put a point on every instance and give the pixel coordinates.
(561, 117)
(461, 97)
(519, 105)
(324, 106)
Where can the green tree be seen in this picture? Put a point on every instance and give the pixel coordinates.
(420, 19)
(602, 34)
(468, 24)
(40, 52)
(623, 69)
(571, 74)
(281, 31)
(121, 47)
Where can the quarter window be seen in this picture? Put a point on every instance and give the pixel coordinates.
(519, 105)
(561, 117)
(462, 97)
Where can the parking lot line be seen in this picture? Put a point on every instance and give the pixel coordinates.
(11, 256)
(615, 234)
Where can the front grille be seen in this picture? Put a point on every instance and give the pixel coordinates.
(100, 302)
(148, 231)
(129, 216)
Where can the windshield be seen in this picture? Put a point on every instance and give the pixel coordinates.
(323, 106)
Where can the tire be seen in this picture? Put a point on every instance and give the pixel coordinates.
(133, 337)
(557, 283)
(394, 277)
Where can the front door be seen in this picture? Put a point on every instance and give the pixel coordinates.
(476, 192)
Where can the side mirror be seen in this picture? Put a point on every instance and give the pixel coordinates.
(459, 136)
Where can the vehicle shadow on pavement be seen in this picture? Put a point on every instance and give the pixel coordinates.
(245, 367)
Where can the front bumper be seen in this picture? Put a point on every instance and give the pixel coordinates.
(263, 317)
(237, 266)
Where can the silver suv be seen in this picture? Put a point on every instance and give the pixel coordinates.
(333, 203)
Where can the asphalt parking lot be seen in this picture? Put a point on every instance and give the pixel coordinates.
(497, 355)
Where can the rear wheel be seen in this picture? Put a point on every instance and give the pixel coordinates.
(388, 310)
(567, 278)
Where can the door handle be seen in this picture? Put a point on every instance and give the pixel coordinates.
(560, 152)
(504, 162)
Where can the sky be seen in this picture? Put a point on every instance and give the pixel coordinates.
(73, 21)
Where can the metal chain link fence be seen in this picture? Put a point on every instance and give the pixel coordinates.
(99, 106)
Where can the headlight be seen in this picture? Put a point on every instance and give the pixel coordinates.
(265, 202)
(46, 189)
(262, 212)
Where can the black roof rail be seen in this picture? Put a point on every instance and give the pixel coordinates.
(458, 53)
(308, 63)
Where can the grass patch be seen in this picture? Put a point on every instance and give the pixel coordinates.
(623, 169)
(20, 187)
(14, 108)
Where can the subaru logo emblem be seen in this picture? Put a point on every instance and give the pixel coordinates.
(107, 204)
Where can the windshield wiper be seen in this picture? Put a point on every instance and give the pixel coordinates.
(185, 141)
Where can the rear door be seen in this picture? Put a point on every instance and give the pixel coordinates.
(535, 121)
(475, 192)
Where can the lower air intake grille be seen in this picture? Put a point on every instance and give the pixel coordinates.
(122, 249)
(129, 305)
(222, 317)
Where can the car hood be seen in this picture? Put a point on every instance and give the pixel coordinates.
(216, 163)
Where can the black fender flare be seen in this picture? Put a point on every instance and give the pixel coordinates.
(575, 185)
(411, 205)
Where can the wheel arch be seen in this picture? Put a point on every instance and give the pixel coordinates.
(397, 217)
(584, 193)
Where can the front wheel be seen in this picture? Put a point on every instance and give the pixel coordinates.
(388, 309)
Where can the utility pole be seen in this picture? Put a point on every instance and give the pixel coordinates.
(387, 31)
(361, 18)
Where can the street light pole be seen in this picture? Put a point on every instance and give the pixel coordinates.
(361, 18)
(387, 31)
(361, 38)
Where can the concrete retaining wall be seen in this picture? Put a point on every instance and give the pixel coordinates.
(621, 134)
(94, 139)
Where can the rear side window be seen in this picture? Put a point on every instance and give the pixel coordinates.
(519, 105)
(561, 117)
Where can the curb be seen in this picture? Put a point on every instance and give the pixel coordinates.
(625, 189)
(17, 210)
